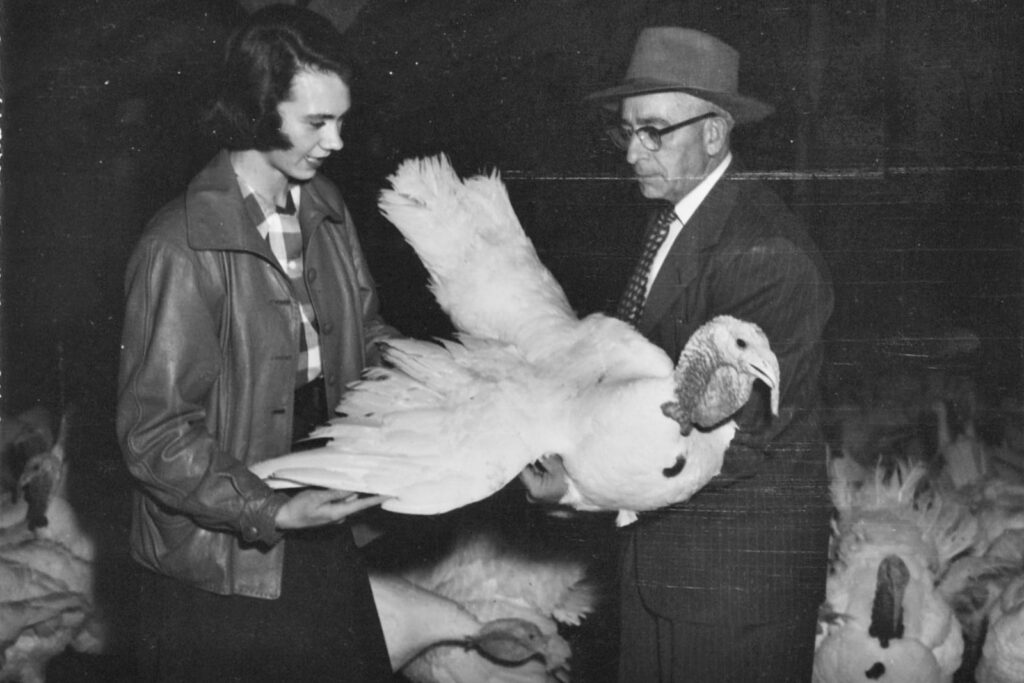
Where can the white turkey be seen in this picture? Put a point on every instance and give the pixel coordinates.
(1002, 656)
(444, 425)
(972, 586)
(21, 436)
(434, 613)
(981, 584)
(47, 573)
(998, 507)
(964, 457)
(887, 621)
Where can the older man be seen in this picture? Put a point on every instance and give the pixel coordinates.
(725, 587)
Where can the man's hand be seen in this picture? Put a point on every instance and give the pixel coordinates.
(316, 507)
(546, 480)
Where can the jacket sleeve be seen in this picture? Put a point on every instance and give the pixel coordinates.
(375, 329)
(775, 284)
(170, 362)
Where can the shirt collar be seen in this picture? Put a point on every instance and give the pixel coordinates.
(261, 211)
(687, 206)
(685, 209)
(217, 219)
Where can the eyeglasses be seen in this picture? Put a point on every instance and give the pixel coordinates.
(649, 136)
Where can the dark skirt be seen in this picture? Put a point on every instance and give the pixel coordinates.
(324, 627)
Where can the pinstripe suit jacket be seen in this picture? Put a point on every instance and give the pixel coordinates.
(751, 547)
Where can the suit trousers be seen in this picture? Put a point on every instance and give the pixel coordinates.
(654, 649)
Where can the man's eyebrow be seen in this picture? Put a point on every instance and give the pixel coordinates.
(646, 121)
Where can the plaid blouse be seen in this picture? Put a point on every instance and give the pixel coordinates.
(279, 226)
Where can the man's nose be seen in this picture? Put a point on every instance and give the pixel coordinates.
(634, 150)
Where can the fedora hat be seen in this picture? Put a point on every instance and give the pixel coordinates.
(669, 58)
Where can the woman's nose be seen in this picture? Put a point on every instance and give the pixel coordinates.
(331, 140)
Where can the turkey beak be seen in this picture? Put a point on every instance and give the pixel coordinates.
(765, 367)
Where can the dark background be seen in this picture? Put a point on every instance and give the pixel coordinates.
(897, 136)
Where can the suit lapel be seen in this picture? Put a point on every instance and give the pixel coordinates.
(683, 261)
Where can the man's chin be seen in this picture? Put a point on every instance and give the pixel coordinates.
(649, 190)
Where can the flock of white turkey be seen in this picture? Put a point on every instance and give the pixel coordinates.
(927, 564)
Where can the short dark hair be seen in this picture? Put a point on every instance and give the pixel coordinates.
(261, 58)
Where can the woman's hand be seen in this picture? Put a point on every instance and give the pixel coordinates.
(316, 507)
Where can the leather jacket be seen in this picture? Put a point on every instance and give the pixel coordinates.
(209, 356)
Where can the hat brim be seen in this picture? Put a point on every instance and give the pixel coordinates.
(743, 109)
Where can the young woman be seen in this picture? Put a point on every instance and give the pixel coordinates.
(249, 308)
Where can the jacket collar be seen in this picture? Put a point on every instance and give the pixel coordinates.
(216, 218)
(700, 234)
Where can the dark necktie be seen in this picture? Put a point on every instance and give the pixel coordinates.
(631, 306)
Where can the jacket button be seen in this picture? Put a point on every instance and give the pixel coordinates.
(332, 380)
(327, 328)
(253, 532)
(311, 274)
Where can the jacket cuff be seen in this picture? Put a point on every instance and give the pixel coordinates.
(740, 462)
(257, 521)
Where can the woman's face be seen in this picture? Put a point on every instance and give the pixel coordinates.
(311, 121)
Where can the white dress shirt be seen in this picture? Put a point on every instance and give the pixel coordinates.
(685, 209)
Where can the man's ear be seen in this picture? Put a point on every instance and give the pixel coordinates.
(716, 135)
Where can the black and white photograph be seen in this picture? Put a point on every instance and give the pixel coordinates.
(328, 332)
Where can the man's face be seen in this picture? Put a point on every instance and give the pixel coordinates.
(684, 158)
(311, 120)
